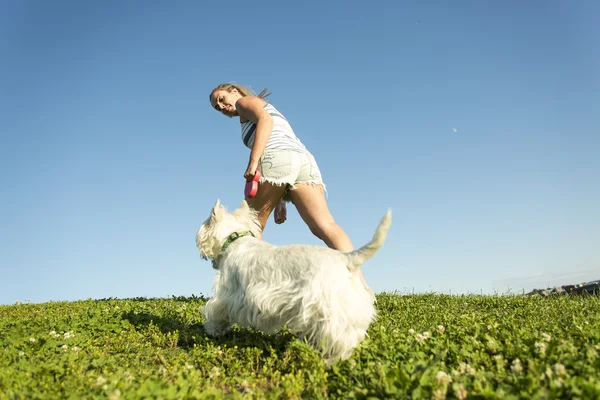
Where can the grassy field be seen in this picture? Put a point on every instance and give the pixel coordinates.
(422, 346)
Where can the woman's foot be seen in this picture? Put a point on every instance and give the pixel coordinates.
(280, 213)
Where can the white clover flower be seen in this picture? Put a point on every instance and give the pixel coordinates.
(460, 392)
(32, 340)
(441, 328)
(546, 337)
(426, 335)
(465, 368)
(516, 366)
(21, 353)
(439, 393)
(53, 334)
(499, 360)
(560, 370)
(419, 338)
(492, 344)
(541, 347)
(214, 372)
(189, 366)
(75, 348)
(99, 381)
(443, 378)
(68, 335)
(557, 383)
(65, 347)
(411, 331)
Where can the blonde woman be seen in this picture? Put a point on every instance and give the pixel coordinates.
(288, 171)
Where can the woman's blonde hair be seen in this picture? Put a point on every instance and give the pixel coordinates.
(244, 91)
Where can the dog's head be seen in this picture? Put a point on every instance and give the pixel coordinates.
(214, 231)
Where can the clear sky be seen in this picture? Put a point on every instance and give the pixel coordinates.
(477, 123)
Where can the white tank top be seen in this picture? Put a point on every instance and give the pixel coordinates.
(282, 135)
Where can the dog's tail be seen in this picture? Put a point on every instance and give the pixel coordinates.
(360, 256)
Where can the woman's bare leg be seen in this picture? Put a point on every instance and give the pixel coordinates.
(312, 207)
(267, 197)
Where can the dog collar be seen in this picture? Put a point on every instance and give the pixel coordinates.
(234, 236)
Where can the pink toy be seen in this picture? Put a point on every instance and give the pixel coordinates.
(252, 186)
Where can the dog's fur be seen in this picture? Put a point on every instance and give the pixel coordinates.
(313, 290)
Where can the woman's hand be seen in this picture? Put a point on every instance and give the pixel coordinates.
(251, 170)
(280, 214)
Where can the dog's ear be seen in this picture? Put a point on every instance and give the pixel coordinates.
(205, 242)
(243, 211)
(216, 212)
(244, 206)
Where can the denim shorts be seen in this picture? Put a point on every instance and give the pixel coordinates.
(289, 167)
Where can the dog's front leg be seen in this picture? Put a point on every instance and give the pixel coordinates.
(216, 317)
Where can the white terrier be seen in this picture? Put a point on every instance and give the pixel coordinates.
(313, 290)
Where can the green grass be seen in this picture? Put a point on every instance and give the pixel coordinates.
(512, 347)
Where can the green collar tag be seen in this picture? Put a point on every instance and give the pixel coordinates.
(234, 236)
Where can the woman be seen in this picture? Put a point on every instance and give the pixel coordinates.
(288, 171)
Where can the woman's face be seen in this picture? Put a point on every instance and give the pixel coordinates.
(224, 101)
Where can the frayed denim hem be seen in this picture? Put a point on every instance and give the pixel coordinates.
(292, 186)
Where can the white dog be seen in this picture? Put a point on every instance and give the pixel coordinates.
(313, 290)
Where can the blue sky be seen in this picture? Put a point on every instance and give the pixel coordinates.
(476, 122)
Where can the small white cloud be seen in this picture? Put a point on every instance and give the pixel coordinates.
(454, 130)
